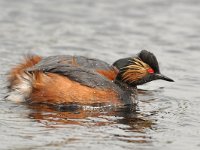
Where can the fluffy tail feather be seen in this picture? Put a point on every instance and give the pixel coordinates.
(20, 81)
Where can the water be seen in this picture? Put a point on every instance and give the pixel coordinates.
(167, 115)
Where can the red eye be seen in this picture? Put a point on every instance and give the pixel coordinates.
(150, 70)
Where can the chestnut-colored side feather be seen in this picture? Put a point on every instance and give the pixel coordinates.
(109, 74)
(52, 88)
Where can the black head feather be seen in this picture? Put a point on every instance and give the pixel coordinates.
(150, 59)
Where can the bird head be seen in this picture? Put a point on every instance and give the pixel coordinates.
(140, 69)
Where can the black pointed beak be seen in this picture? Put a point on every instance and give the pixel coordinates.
(162, 77)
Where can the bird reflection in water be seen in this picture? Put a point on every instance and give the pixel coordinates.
(60, 116)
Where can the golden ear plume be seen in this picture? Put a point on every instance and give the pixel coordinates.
(135, 71)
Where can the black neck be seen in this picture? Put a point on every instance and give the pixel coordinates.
(129, 94)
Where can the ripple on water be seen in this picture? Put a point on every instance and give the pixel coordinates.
(167, 115)
(61, 128)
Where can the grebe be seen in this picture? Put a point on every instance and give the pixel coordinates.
(80, 80)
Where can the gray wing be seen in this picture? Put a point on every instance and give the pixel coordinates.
(80, 61)
(83, 75)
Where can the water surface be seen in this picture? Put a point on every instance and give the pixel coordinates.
(167, 114)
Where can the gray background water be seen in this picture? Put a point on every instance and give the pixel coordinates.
(167, 115)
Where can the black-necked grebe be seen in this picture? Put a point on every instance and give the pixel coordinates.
(79, 80)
